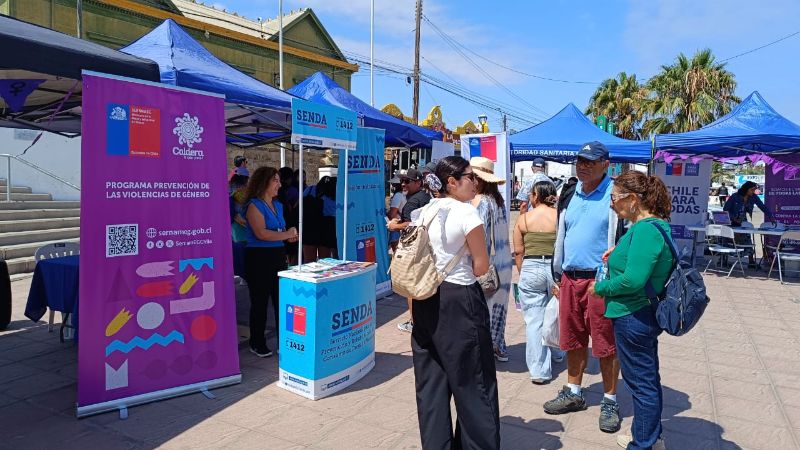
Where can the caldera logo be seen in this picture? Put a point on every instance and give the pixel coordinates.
(189, 132)
(118, 113)
(351, 319)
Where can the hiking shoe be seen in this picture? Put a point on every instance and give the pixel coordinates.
(262, 351)
(623, 440)
(565, 402)
(610, 420)
(406, 326)
(500, 355)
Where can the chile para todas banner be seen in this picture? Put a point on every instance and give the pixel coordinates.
(157, 311)
(366, 228)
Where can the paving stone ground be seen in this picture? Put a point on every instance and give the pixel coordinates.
(733, 382)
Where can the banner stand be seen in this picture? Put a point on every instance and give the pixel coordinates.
(113, 405)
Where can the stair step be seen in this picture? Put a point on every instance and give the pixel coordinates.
(52, 204)
(29, 197)
(28, 214)
(10, 252)
(14, 190)
(10, 226)
(21, 265)
(23, 237)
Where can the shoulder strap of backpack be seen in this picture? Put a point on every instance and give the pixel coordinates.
(648, 287)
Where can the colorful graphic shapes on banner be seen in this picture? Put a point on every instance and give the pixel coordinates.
(188, 284)
(155, 269)
(298, 289)
(207, 360)
(118, 322)
(117, 378)
(201, 303)
(145, 344)
(196, 263)
(203, 328)
(182, 364)
(150, 316)
(120, 291)
(156, 369)
(155, 289)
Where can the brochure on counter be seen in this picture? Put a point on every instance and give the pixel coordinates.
(325, 270)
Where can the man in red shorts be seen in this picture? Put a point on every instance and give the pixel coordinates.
(587, 227)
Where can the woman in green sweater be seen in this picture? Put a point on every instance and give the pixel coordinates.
(641, 256)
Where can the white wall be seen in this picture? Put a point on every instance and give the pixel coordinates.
(54, 153)
(555, 170)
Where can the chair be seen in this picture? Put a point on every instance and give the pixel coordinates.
(783, 252)
(56, 250)
(716, 236)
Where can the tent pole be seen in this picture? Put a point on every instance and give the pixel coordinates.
(372, 53)
(346, 188)
(300, 212)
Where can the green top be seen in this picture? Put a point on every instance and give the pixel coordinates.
(539, 243)
(640, 255)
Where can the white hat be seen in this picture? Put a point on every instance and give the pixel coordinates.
(484, 169)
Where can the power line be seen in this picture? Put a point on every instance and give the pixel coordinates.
(763, 46)
(511, 69)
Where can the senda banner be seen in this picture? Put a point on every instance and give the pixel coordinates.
(157, 307)
(367, 240)
(318, 125)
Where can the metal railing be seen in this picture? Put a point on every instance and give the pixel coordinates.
(32, 166)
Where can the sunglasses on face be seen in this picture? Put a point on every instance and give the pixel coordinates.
(618, 197)
(407, 180)
(470, 175)
(587, 162)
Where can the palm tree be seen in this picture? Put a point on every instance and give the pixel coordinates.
(620, 100)
(688, 94)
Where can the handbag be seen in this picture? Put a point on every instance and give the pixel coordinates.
(490, 281)
(550, 332)
(413, 268)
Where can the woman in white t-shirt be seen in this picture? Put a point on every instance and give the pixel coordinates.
(451, 341)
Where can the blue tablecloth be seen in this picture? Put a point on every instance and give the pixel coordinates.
(54, 286)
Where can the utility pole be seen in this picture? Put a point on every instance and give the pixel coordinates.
(416, 64)
(280, 68)
(372, 53)
(79, 7)
(505, 122)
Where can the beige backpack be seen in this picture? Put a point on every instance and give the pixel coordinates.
(413, 269)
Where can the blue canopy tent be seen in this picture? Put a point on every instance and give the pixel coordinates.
(321, 89)
(752, 127)
(560, 137)
(255, 112)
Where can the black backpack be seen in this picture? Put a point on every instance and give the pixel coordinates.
(683, 299)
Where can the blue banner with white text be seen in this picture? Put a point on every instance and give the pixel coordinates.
(367, 238)
(319, 125)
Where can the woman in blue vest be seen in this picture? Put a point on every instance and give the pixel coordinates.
(265, 255)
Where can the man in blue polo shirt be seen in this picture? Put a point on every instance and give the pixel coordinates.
(587, 227)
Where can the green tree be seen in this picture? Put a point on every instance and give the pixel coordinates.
(620, 100)
(688, 94)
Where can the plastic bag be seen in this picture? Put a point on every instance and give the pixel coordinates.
(550, 326)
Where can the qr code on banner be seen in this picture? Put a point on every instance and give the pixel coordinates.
(122, 240)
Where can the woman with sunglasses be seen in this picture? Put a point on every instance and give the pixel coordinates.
(450, 341)
(641, 256)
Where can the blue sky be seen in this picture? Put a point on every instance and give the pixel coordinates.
(566, 40)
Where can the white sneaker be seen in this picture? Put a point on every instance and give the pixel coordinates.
(407, 326)
(623, 440)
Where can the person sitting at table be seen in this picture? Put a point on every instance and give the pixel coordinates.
(265, 254)
(739, 206)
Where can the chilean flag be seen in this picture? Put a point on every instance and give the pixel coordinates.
(485, 146)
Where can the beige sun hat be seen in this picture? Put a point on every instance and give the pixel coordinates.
(484, 169)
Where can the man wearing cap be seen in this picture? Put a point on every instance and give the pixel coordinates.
(587, 227)
(416, 198)
(538, 168)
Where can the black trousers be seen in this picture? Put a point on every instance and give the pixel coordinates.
(261, 265)
(453, 357)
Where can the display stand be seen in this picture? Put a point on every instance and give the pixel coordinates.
(327, 336)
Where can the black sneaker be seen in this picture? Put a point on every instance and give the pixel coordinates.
(609, 416)
(262, 351)
(565, 402)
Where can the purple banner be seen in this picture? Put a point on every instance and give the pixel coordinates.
(156, 305)
(782, 195)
